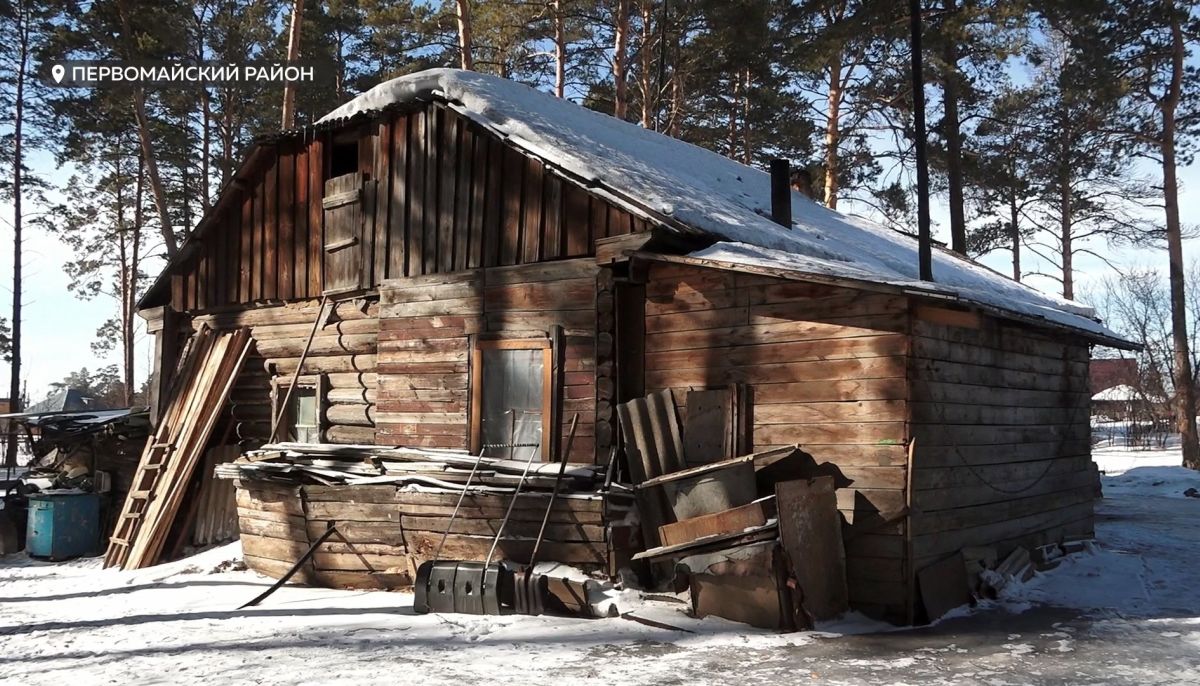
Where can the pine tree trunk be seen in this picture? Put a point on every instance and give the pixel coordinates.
(620, 48)
(560, 51)
(647, 53)
(465, 47)
(131, 285)
(293, 53)
(953, 133)
(1185, 389)
(747, 148)
(1015, 234)
(734, 108)
(833, 133)
(123, 264)
(1066, 239)
(205, 149)
(14, 392)
(145, 137)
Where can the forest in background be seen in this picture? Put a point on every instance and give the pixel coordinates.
(1055, 126)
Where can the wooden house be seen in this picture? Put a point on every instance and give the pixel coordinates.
(489, 246)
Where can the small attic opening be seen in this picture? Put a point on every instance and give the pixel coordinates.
(343, 155)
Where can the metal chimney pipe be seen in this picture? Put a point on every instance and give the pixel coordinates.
(781, 192)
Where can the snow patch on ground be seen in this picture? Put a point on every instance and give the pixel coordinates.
(179, 623)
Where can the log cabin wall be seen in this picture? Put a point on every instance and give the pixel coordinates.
(428, 325)
(343, 354)
(826, 368)
(437, 194)
(1001, 422)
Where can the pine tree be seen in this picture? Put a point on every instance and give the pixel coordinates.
(1149, 48)
(26, 25)
(1000, 185)
(1085, 185)
(968, 48)
(842, 54)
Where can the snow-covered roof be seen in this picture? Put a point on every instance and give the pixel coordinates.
(1121, 393)
(714, 194)
(1124, 393)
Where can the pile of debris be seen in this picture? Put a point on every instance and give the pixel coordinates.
(304, 463)
(754, 538)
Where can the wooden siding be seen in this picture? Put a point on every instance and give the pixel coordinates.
(385, 529)
(826, 368)
(427, 327)
(1000, 415)
(441, 195)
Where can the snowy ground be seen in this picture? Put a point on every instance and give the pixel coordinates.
(1126, 612)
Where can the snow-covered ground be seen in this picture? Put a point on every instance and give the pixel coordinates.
(1127, 611)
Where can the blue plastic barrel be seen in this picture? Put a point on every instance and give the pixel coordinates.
(63, 525)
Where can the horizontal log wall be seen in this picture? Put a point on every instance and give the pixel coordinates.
(826, 368)
(428, 322)
(1000, 416)
(343, 352)
(383, 529)
(442, 195)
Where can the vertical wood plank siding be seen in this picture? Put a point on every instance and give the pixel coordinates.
(442, 195)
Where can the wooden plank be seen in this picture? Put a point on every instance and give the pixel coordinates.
(433, 154)
(531, 223)
(494, 204)
(270, 273)
(478, 196)
(779, 332)
(383, 201)
(398, 211)
(811, 535)
(300, 184)
(729, 521)
(831, 412)
(463, 547)
(511, 193)
(816, 370)
(417, 160)
(552, 213)
(448, 154)
(286, 286)
(463, 194)
(316, 232)
(575, 223)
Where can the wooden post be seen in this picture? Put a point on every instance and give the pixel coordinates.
(321, 316)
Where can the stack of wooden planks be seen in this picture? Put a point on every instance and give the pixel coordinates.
(199, 392)
(445, 468)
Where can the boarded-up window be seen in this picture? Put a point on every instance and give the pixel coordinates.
(511, 393)
(343, 233)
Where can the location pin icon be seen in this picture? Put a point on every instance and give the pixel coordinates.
(57, 71)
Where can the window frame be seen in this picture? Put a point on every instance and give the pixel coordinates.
(549, 424)
(279, 386)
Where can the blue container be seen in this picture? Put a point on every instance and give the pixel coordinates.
(63, 525)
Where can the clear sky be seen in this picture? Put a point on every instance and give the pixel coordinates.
(59, 327)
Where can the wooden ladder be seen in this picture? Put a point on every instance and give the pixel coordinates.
(198, 392)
